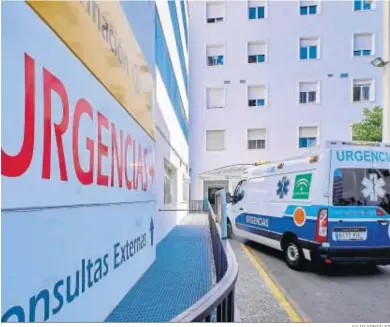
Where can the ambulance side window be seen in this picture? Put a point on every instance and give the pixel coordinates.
(239, 191)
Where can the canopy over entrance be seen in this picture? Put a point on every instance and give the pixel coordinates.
(227, 172)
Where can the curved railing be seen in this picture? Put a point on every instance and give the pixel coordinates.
(218, 303)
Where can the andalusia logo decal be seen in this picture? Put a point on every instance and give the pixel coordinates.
(302, 186)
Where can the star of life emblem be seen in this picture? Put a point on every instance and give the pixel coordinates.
(373, 187)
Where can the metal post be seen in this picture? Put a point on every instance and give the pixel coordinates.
(223, 214)
(224, 310)
(219, 264)
(230, 307)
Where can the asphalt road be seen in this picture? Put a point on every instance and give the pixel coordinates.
(344, 294)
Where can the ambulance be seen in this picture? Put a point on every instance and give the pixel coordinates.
(331, 205)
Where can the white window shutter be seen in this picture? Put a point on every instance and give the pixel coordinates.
(308, 3)
(309, 131)
(307, 42)
(215, 140)
(215, 9)
(256, 48)
(256, 92)
(215, 98)
(363, 41)
(308, 87)
(256, 134)
(215, 50)
(361, 82)
(257, 3)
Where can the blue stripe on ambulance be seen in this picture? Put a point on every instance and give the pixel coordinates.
(277, 225)
(366, 217)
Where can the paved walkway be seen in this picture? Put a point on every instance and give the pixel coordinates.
(254, 299)
(181, 275)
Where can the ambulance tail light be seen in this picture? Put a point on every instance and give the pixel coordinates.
(322, 226)
(380, 212)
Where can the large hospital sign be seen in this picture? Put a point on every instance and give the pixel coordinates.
(78, 199)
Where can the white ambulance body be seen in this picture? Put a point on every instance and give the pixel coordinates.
(331, 204)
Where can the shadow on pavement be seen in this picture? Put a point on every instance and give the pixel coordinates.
(328, 270)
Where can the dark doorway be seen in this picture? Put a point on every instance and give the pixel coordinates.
(211, 194)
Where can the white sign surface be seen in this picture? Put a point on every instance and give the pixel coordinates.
(78, 198)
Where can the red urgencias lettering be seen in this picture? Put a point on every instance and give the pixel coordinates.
(125, 158)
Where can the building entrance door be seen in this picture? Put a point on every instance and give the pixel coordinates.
(211, 194)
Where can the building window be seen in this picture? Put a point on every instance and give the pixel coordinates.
(308, 48)
(215, 55)
(169, 183)
(363, 90)
(363, 44)
(257, 96)
(215, 98)
(215, 12)
(256, 52)
(363, 5)
(256, 10)
(308, 8)
(215, 140)
(308, 136)
(308, 92)
(256, 138)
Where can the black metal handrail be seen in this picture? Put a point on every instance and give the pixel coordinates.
(219, 301)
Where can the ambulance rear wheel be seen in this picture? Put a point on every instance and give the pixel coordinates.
(293, 255)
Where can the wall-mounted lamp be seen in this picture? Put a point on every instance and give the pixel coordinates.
(378, 62)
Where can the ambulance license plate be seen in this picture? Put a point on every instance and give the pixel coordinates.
(350, 234)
